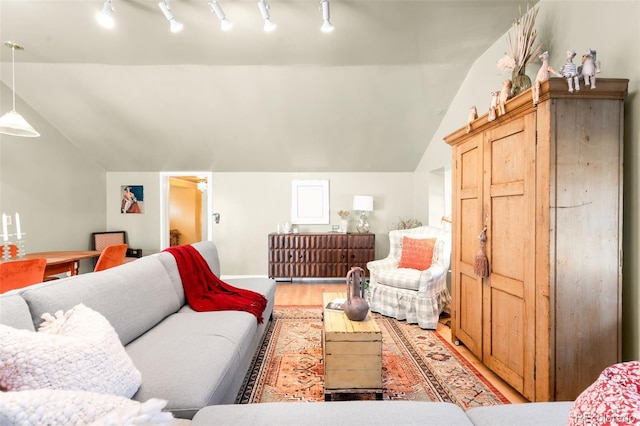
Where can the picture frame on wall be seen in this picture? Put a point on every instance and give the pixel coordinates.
(310, 202)
(132, 199)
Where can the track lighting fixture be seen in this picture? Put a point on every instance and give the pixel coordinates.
(13, 123)
(326, 27)
(105, 16)
(166, 10)
(264, 11)
(225, 24)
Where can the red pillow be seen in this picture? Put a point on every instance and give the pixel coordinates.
(416, 254)
(612, 399)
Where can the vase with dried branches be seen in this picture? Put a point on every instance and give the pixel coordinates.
(521, 50)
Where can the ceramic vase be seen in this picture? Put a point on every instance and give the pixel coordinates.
(356, 306)
(520, 81)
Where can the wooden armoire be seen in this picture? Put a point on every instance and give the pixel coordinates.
(546, 183)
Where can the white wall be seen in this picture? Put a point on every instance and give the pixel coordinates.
(143, 230)
(57, 191)
(251, 205)
(610, 27)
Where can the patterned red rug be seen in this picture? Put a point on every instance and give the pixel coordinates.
(417, 365)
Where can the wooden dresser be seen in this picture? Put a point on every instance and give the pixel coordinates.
(546, 182)
(327, 255)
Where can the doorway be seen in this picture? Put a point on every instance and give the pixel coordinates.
(186, 208)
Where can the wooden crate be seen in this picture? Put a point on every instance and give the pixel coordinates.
(352, 352)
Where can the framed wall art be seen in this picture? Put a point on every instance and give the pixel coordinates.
(310, 202)
(132, 199)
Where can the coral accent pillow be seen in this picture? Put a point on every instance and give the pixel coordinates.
(78, 350)
(613, 399)
(65, 407)
(417, 253)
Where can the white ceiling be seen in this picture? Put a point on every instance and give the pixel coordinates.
(367, 97)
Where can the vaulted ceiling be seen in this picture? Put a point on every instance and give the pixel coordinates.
(366, 97)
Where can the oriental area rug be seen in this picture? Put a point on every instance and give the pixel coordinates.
(417, 365)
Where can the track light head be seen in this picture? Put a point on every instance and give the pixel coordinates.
(174, 25)
(264, 12)
(326, 27)
(225, 24)
(105, 16)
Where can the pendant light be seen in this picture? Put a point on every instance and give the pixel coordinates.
(13, 123)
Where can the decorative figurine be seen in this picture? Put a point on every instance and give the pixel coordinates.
(589, 68)
(542, 76)
(473, 114)
(505, 94)
(570, 71)
(493, 105)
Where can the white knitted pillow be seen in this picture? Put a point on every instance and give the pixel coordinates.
(78, 350)
(64, 407)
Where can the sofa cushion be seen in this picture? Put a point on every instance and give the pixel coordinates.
(416, 253)
(526, 414)
(78, 350)
(191, 358)
(14, 312)
(67, 407)
(371, 413)
(400, 278)
(133, 297)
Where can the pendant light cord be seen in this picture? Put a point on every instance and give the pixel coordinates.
(13, 75)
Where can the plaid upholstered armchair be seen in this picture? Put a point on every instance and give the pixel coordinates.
(411, 283)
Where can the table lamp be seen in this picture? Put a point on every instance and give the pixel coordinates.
(364, 203)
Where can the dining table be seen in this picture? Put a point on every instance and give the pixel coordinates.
(62, 262)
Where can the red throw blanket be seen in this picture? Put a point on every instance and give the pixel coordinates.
(206, 292)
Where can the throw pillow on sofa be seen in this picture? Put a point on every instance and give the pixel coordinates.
(77, 350)
(64, 407)
(614, 398)
(417, 253)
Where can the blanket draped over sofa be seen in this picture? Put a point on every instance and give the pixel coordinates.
(206, 292)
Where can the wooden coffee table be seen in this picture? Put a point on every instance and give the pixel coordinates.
(352, 352)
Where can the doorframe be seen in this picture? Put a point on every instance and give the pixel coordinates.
(164, 204)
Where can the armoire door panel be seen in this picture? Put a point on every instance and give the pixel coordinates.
(467, 326)
(509, 299)
(508, 335)
(508, 235)
(469, 230)
(508, 162)
(470, 331)
(470, 167)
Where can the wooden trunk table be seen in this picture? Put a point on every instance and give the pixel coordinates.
(352, 352)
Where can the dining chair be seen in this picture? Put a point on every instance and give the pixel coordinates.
(100, 240)
(111, 256)
(21, 273)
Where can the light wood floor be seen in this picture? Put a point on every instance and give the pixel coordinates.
(310, 294)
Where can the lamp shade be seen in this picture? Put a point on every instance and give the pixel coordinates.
(14, 124)
(363, 203)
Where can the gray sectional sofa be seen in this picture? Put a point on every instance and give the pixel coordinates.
(197, 360)
(383, 413)
(191, 359)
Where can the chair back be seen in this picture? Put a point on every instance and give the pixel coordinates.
(21, 273)
(101, 240)
(111, 256)
(441, 251)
